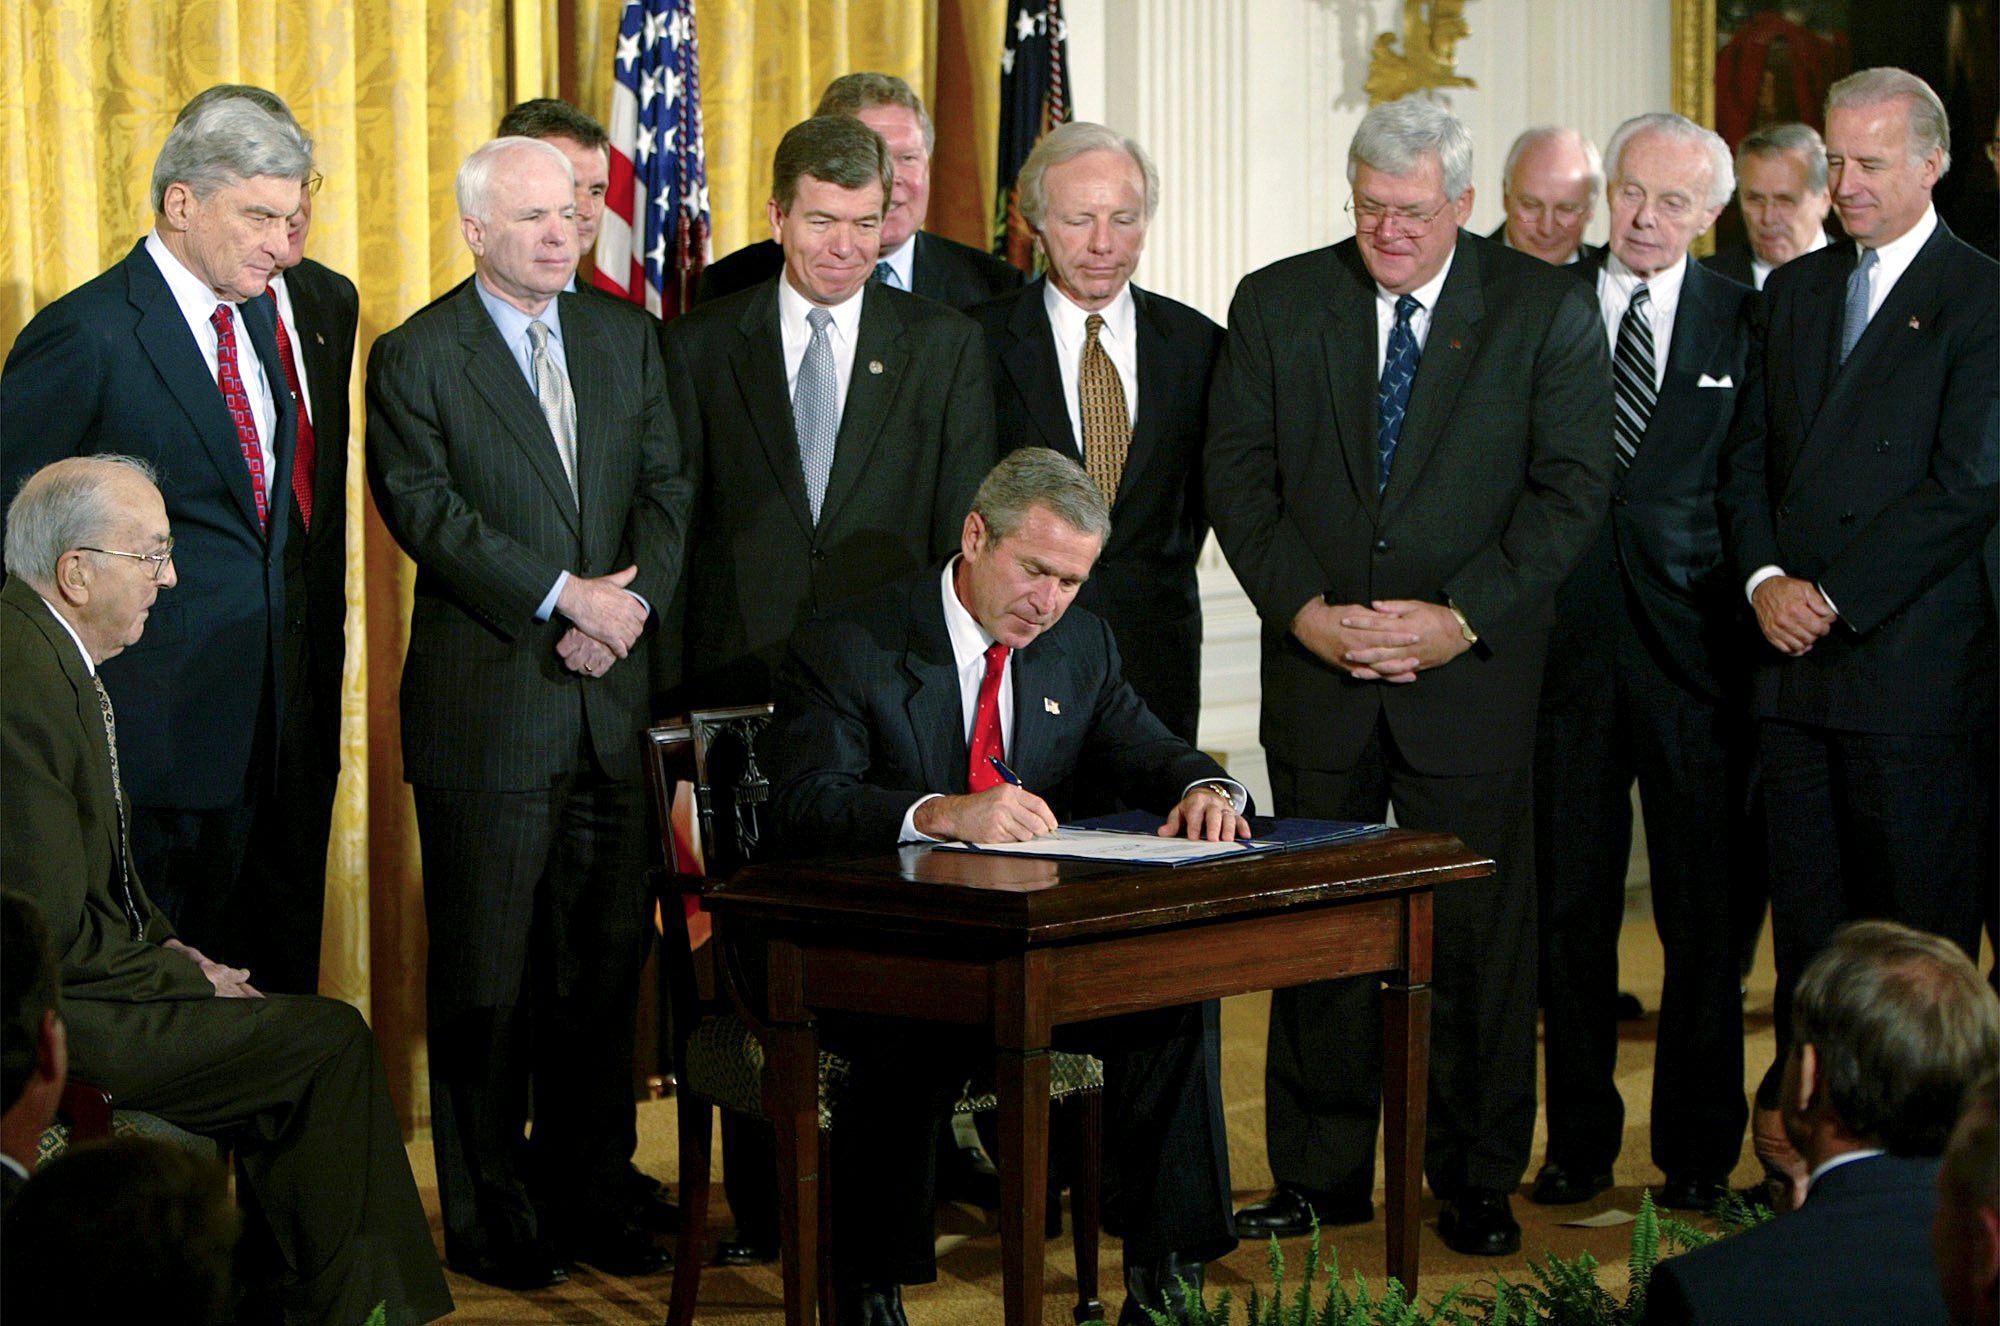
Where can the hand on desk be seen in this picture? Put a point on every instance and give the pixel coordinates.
(1205, 817)
(229, 982)
(1002, 814)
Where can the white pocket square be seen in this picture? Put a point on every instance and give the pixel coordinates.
(1724, 381)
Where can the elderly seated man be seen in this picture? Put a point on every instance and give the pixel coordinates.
(957, 704)
(294, 1082)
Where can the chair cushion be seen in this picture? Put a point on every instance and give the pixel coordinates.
(1068, 1074)
(125, 1123)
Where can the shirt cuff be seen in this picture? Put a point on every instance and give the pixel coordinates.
(1239, 796)
(1828, 597)
(908, 833)
(548, 608)
(1758, 577)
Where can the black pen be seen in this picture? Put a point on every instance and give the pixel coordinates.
(1006, 775)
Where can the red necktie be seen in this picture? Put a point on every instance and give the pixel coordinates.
(238, 401)
(986, 748)
(302, 454)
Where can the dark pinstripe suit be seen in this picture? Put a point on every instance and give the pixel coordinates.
(526, 774)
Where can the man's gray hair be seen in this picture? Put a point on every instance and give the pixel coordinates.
(1721, 169)
(850, 94)
(1037, 476)
(1774, 140)
(65, 504)
(1554, 133)
(263, 98)
(230, 139)
(1067, 142)
(474, 185)
(1396, 137)
(1901, 1026)
(1930, 127)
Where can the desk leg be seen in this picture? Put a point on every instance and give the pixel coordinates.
(793, 1066)
(1023, 1082)
(1406, 1042)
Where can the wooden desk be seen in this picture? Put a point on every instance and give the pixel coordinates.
(1020, 946)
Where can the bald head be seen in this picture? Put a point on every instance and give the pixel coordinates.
(1550, 186)
(90, 535)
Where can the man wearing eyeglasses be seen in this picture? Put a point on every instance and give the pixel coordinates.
(1549, 187)
(1406, 456)
(1646, 679)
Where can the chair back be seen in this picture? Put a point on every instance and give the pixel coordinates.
(714, 751)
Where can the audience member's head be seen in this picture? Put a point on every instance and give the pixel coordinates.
(1088, 192)
(300, 225)
(1965, 1234)
(577, 137)
(90, 535)
(226, 185)
(891, 108)
(1410, 165)
(1549, 187)
(1036, 526)
(517, 211)
(1888, 143)
(1781, 186)
(831, 183)
(34, 1057)
(128, 1230)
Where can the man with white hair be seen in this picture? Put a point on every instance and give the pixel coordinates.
(1860, 485)
(521, 450)
(1407, 453)
(1781, 187)
(1549, 187)
(1645, 681)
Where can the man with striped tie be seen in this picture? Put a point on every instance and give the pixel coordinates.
(1647, 665)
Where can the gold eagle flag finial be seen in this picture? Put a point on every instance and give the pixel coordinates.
(1432, 30)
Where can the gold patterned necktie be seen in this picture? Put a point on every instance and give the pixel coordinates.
(1107, 428)
(131, 898)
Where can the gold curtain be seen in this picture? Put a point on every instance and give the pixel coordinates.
(395, 93)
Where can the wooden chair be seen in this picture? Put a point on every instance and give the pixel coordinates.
(718, 1044)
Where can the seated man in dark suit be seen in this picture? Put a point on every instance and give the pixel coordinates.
(293, 1081)
(898, 718)
(34, 1061)
(1891, 1027)
(912, 258)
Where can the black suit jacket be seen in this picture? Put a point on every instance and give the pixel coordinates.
(111, 367)
(1144, 583)
(1857, 1250)
(868, 718)
(1734, 263)
(467, 479)
(916, 437)
(1498, 486)
(942, 269)
(1876, 480)
(327, 309)
(1660, 548)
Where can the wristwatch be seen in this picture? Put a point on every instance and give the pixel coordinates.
(1464, 626)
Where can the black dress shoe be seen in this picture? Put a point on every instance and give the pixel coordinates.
(739, 1250)
(520, 1266)
(1690, 1194)
(869, 1305)
(1288, 1213)
(1166, 1286)
(624, 1250)
(1556, 1185)
(647, 1204)
(1479, 1223)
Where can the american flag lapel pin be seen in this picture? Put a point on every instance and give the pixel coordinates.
(321, 339)
(1915, 325)
(1050, 706)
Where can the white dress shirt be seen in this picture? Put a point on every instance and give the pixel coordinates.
(197, 304)
(1835, 1162)
(1615, 285)
(283, 294)
(902, 262)
(1119, 336)
(89, 663)
(841, 333)
(1426, 296)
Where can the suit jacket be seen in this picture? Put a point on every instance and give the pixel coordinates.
(1659, 551)
(467, 479)
(1876, 480)
(916, 437)
(1857, 1250)
(1734, 263)
(1584, 252)
(1144, 583)
(1499, 484)
(941, 269)
(59, 839)
(868, 719)
(326, 307)
(111, 367)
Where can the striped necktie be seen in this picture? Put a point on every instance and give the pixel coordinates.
(1632, 377)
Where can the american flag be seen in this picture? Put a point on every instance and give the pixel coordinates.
(654, 238)
(1034, 98)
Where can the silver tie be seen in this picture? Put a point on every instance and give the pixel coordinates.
(1854, 313)
(816, 410)
(558, 406)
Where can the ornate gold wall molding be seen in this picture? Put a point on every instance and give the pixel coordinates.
(1432, 30)
(1694, 60)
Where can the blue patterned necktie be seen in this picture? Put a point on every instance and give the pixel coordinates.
(1392, 401)
(816, 410)
(1854, 320)
(1632, 377)
(885, 274)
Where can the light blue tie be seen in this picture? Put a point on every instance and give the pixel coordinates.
(1399, 366)
(886, 274)
(1854, 320)
(816, 410)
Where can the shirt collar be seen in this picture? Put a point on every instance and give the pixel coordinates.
(89, 663)
(1425, 294)
(1898, 253)
(1068, 320)
(793, 307)
(969, 640)
(1663, 287)
(903, 260)
(1835, 1162)
(196, 300)
(512, 322)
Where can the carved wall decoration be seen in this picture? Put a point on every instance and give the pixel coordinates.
(1432, 30)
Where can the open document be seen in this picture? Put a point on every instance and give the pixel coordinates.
(1129, 839)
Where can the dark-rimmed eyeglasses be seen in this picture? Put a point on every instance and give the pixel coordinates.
(158, 559)
(1369, 216)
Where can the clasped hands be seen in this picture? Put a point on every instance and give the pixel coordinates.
(229, 982)
(1389, 640)
(1791, 612)
(1007, 813)
(605, 621)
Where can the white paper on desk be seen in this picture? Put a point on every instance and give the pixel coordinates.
(1136, 849)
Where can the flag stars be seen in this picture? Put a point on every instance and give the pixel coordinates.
(1024, 25)
(680, 28)
(676, 83)
(628, 50)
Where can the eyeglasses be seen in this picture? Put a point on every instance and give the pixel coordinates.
(1565, 213)
(1369, 216)
(158, 559)
(313, 181)
(1672, 206)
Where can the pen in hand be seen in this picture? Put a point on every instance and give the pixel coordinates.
(1006, 775)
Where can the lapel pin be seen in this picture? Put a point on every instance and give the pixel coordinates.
(321, 339)
(1456, 345)
(1050, 706)
(1915, 325)
(874, 366)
